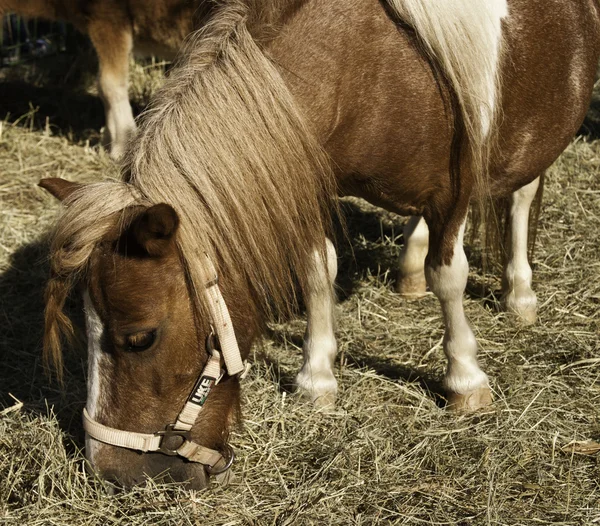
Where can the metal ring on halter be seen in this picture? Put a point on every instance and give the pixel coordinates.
(228, 453)
(166, 446)
(211, 341)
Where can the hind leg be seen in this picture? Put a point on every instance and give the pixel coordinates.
(518, 297)
(411, 274)
(447, 270)
(113, 42)
(316, 380)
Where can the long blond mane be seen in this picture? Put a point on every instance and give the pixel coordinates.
(224, 144)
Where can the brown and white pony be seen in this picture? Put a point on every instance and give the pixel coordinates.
(116, 28)
(274, 108)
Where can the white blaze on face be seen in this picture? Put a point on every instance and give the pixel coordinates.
(96, 380)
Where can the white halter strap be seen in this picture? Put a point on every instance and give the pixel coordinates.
(222, 323)
(174, 439)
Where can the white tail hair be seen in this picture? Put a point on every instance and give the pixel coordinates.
(464, 37)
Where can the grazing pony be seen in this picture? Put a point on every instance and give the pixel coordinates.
(222, 216)
(116, 28)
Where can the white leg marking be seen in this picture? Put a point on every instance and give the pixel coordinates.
(316, 379)
(95, 382)
(119, 116)
(518, 296)
(448, 284)
(411, 276)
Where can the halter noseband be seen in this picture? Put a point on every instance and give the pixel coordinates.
(174, 439)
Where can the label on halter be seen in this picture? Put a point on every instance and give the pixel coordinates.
(202, 389)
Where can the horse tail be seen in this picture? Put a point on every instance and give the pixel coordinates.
(496, 228)
(464, 39)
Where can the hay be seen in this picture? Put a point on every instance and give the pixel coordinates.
(389, 453)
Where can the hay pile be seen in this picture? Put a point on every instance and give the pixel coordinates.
(389, 453)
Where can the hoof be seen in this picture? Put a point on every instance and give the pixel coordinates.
(470, 402)
(524, 307)
(411, 286)
(321, 392)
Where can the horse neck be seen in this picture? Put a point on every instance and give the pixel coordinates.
(226, 145)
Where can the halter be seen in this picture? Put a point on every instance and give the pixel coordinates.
(174, 439)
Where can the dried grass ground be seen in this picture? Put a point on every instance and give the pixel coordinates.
(390, 454)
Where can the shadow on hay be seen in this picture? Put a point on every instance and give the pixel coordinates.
(382, 366)
(370, 246)
(79, 113)
(22, 374)
(591, 125)
(52, 90)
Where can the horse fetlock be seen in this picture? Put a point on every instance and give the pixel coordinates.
(467, 387)
(117, 139)
(465, 376)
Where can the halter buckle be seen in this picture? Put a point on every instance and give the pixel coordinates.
(172, 439)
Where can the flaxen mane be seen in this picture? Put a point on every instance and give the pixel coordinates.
(224, 144)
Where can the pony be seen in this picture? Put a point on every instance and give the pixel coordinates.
(117, 28)
(223, 215)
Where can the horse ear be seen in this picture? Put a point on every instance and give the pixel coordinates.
(59, 188)
(155, 228)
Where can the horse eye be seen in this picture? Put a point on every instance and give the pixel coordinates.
(140, 341)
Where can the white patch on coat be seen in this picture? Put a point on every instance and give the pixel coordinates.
(465, 37)
(499, 11)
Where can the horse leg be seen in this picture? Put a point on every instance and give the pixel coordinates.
(411, 274)
(447, 270)
(316, 380)
(113, 43)
(518, 297)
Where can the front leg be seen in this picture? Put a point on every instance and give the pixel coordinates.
(316, 380)
(113, 42)
(447, 270)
